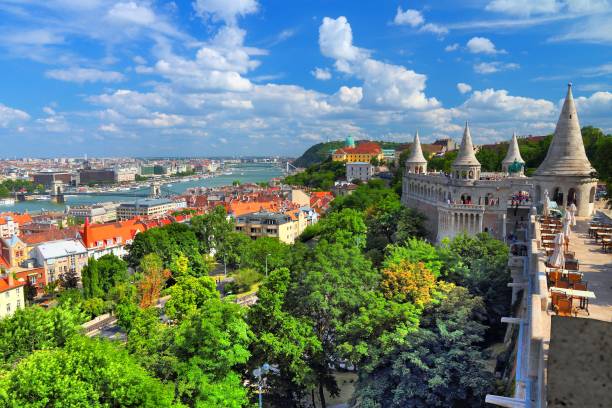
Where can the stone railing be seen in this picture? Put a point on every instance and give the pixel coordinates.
(534, 329)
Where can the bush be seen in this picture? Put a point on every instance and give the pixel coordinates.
(244, 279)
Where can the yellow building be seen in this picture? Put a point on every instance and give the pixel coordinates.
(363, 152)
(284, 226)
(13, 252)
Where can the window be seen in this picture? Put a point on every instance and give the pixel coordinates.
(6, 294)
(8, 308)
(18, 303)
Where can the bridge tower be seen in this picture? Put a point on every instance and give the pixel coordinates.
(155, 190)
(57, 192)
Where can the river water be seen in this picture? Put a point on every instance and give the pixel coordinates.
(245, 173)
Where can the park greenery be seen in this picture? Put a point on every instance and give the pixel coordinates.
(320, 175)
(8, 187)
(360, 292)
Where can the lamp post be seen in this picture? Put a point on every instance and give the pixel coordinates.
(267, 255)
(259, 373)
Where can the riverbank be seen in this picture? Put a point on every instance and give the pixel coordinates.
(245, 173)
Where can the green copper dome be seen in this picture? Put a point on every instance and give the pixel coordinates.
(349, 142)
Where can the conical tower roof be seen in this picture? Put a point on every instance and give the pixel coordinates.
(416, 154)
(513, 152)
(466, 155)
(566, 155)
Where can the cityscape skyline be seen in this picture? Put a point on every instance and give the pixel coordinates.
(248, 78)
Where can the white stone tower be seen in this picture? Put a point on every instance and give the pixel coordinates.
(514, 154)
(466, 166)
(566, 171)
(416, 162)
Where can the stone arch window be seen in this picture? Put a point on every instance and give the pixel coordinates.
(538, 194)
(471, 174)
(571, 196)
(592, 195)
(463, 174)
(558, 196)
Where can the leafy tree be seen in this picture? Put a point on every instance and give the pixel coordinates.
(152, 280)
(286, 341)
(244, 280)
(95, 307)
(101, 275)
(209, 345)
(440, 365)
(320, 175)
(346, 226)
(330, 283)
(414, 250)
(480, 263)
(211, 230)
(34, 328)
(408, 282)
(180, 266)
(69, 279)
(265, 250)
(87, 372)
(188, 294)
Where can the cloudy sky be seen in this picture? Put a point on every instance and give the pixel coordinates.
(240, 77)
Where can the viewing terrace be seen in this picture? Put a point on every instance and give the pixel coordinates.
(562, 325)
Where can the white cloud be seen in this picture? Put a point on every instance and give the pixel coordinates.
(111, 128)
(536, 7)
(596, 29)
(495, 66)
(350, 96)
(336, 40)
(82, 75)
(131, 13)
(322, 74)
(463, 87)
(434, 28)
(497, 105)
(598, 105)
(225, 10)
(482, 45)
(384, 84)
(161, 120)
(413, 18)
(451, 47)
(9, 116)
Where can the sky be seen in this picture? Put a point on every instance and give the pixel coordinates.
(273, 77)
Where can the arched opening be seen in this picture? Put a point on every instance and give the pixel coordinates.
(571, 197)
(463, 174)
(538, 194)
(558, 196)
(471, 174)
(592, 195)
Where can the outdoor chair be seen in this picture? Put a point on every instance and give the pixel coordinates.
(564, 307)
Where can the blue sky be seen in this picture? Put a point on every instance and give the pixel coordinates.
(243, 77)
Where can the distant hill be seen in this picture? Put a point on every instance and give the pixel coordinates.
(319, 152)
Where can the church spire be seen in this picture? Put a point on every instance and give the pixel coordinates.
(566, 155)
(513, 152)
(466, 155)
(416, 154)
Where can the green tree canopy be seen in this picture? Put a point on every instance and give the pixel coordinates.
(188, 294)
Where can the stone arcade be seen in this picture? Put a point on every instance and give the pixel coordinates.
(471, 201)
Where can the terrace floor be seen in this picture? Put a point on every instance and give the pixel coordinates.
(596, 266)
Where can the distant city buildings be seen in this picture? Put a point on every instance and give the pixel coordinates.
(95, 213)
(149, 207)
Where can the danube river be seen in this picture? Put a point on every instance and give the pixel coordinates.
(245, 173)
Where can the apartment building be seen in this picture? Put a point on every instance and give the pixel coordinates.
(268, 224)
(359, 171)
(59, 257)
(11, 295)
(149, 207)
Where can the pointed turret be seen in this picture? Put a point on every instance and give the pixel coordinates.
(466, 155)
(416, 162)
(566, 155)
(513, 155)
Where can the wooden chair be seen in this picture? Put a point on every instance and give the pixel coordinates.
(563, 284)
(554, 276)
(574, 278)
(564, 307)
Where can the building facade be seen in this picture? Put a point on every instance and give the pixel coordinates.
(95, 213)
(150, 207)
(471, 201)
(269, 224)
(60, 257)
(11, 295)
(359, 171)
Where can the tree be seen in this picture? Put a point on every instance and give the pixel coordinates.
(209, 345)
(152, 280)
(286, 341)
(330, 284)
(408, 282)
(480, 263)
(439, 365)
(87, 372)
(243, 281)
(69, 279)
(34, 328)
(188, 294)
(346, 226)
(101, 275)
(414, 250)
(265, 251)
(211, 229)
(91, 280)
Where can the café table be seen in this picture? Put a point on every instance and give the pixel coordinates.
(580, 294)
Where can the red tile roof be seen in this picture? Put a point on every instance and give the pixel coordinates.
(49, 235)
(125, 230)
(4, 284)
(361, 148)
